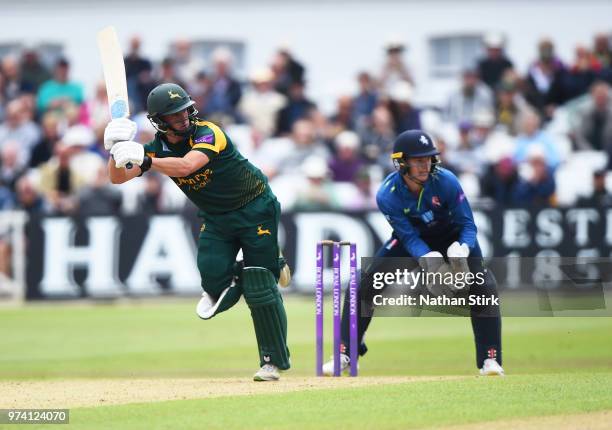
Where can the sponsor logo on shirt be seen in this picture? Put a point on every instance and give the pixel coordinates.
(207, 138)
(427, 217)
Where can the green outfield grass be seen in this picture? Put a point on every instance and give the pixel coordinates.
(554, 366)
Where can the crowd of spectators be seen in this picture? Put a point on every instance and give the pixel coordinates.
(516, 137)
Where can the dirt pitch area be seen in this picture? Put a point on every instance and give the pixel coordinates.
(100, 392)
(97, 392)
(592, 421)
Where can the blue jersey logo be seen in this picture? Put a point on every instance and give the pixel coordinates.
(427, 217)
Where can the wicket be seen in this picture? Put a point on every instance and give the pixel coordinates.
(337, 307)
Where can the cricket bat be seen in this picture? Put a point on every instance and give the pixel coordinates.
(114, 74)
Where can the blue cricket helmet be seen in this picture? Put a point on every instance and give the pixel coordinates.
(413, 143)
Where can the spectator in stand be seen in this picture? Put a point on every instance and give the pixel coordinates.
(536, 186)
(9, 67)
(33, 72)
(186, 64)
(59, 92)
(602, 49)
(99, 198)
(3, 97)
(139, 74)
(10, 167)
(533, 136)
(45, 147)
(342, 119)
(467, 157)
(18, 127)
(7, 199)
(378, 139)
(491, 68)
(287, 71)
(481, 128)
(401, 105)
(603, 53)
(394, 69)
(544, 82)
(61, 179)
(499, 182)
(260, 104)
(317, 192)
(346, 163)
(509, 107)
(600, 197)
(29, 199)
(134, 62)
(150, 201)
(365, 100)
(366, 199)
(298, 107)
(473, 96)
(97, 108)
(285, 156)
(167, 73)
(593, 129)
(225, 91)
(581, 74)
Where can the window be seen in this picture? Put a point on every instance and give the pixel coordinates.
(451, 54)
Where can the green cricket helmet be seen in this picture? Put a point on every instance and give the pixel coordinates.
(166, 99)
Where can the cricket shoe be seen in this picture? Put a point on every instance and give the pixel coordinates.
(345, 365)
(491, 367)
(268, 372)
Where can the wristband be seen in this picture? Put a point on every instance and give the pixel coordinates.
(146, 164)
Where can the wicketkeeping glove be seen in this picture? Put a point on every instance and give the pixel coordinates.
(458, 257)
(431, 261)
(119, 130)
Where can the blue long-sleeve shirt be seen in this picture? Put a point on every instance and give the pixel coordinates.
(439, 212)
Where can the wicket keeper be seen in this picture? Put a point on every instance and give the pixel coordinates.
(431, 219)
(237, 207)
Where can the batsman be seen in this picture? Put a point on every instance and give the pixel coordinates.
(237, 207)
(432, 222)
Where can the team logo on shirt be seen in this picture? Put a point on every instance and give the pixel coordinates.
(435, 201)
(427, 217)
(261, 231)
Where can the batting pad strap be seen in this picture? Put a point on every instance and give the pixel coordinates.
(206, 309)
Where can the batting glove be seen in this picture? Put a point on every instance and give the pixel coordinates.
(119, 130)
(127, 152)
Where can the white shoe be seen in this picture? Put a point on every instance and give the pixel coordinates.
(268, 372)
(345, 364)
(491, 367)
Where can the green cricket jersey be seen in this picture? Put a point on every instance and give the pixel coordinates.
(226, 183)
